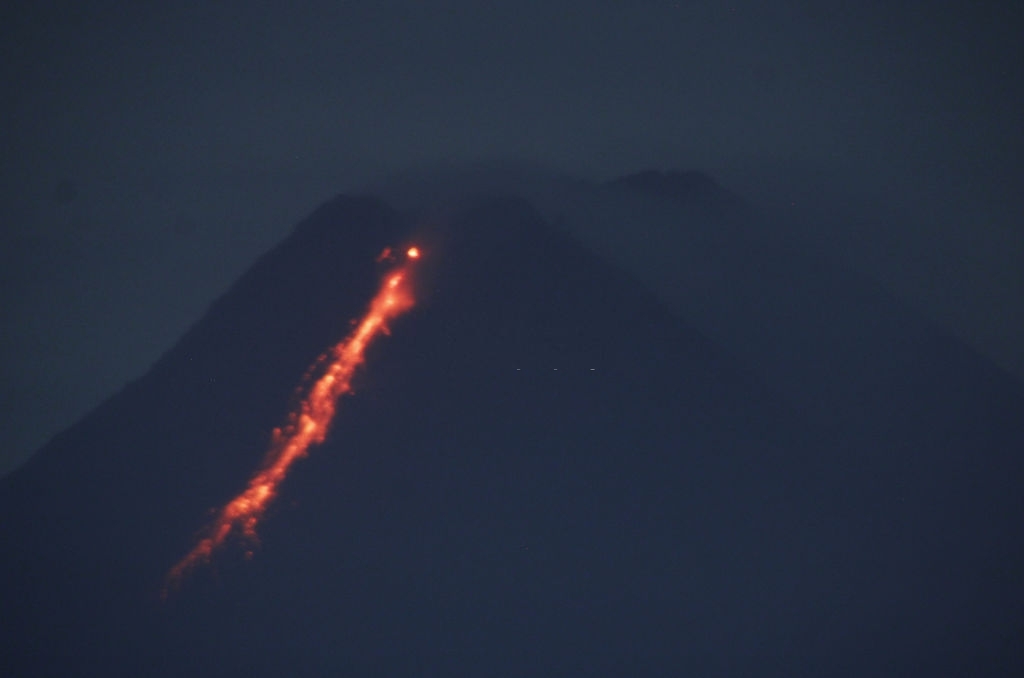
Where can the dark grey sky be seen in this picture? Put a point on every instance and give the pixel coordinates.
(193, 134)
(868, 89)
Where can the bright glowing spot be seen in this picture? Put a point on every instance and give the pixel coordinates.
(413, 252)
(308, 424)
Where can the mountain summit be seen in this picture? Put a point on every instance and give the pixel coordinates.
(541, 471)
(685, 186)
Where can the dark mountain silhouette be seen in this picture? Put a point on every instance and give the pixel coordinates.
(685, 186)
(542, 472)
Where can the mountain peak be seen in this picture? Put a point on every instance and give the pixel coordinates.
(684, 186)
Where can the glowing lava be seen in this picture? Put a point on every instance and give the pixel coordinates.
(309, 422)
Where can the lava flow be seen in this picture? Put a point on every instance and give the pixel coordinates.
(309, 422)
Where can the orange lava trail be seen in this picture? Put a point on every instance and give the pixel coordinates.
(309, 422)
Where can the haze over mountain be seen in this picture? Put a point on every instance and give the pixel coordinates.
(773, 469)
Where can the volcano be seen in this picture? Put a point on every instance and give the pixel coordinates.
(540, 470)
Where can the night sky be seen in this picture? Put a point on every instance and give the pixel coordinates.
(150, 151)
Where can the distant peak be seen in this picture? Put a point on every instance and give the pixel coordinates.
(347, 208)
(690, 186)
